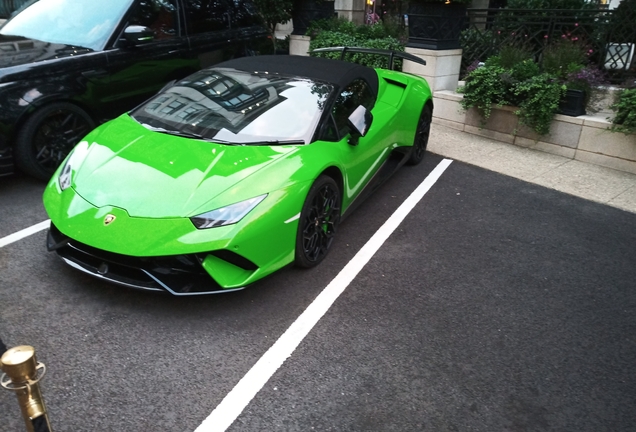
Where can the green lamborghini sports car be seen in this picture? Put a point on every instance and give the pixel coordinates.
(234, 172)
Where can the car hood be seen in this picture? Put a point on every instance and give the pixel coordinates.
(20, 54)
(155, 175)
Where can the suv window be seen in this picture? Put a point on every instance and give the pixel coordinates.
(245, 14)
(158, 15)
(205, 16)
(88, 25)
(356, 93)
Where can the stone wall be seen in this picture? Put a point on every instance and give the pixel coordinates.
(583, 138)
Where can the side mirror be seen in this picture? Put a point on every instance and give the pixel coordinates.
(138, 35)
(359, 123)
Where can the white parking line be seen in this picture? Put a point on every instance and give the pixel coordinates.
(12, 238)
(240, 396)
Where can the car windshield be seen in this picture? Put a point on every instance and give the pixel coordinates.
(236, 107)
(80, 23)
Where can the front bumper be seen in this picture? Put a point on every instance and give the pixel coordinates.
(179, 275)
(169, 254)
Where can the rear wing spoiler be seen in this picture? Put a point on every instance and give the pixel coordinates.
(389, 53)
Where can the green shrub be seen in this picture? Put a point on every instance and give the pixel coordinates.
(625, 107)
(525, 70)
(335, 32)
(339, 25)
(537, 95)
(389, 27)
(484, 88)
(548, 4)
(477, 45)
(563, 58)
(332, 39)
(540, 96)
(510, 55)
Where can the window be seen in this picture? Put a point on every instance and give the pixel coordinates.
(158, 15)
(355, 94)
(245, 14)
(207, 15)
(87, 24)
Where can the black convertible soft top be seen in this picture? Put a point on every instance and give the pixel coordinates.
(337, 72)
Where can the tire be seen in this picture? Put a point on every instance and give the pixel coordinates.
(422, 133)
(47, 137)
(318, 222)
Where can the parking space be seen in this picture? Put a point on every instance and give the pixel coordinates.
(495, 305)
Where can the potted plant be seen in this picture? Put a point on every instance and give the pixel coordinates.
(436, 24)
(582, 90)
(567, 60)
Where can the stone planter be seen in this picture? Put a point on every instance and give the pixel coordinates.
(436, 25)
(585, 138)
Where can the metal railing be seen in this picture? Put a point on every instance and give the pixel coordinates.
(607, 38)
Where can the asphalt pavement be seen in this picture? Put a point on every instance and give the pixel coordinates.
(497, 304)
(584, 180)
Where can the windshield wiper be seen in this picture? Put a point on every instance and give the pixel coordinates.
(184, 134)
(274, 142)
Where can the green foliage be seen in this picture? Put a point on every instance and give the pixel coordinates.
(443, 1)
(525, 70)
(549, 4)
(509, 56)
(478, 44)
(539, 97)
(568, 61)
(518, 65)
(388, 28)
(331, 38)
(339, 25)
(484, 88)
(274, 12)
(342, 32)
(563, 57)
(625, 107)
(518, 83)
(394, 26)
(282, 45)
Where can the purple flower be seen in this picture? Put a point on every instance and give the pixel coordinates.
(586, 78)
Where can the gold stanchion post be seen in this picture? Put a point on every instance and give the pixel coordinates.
(22, 374)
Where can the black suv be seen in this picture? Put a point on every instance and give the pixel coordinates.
(66, 65)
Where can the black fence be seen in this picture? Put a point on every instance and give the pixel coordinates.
(608, 38)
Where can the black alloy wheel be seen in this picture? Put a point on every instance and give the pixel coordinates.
(318, 222)
(421, 136)
(48, 136)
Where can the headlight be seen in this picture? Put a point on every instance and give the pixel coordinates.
(74, 160)
(65, 175)
(226, 215)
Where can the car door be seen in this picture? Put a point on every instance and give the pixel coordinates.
(137, 71)
(362, 160)
(211, 37)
